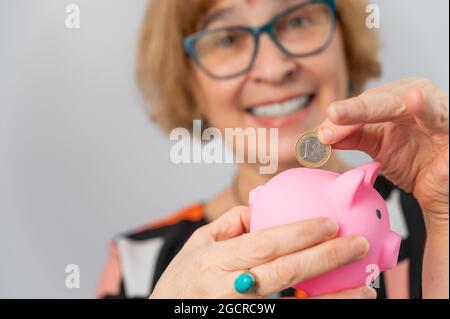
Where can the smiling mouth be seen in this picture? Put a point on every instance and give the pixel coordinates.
(281, 109)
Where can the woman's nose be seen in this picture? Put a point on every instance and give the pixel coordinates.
(271, 64)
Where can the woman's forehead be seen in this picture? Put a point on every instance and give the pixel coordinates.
(250, 2)
(243, 4)
(229, 9)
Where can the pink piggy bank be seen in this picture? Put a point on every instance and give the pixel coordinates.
(350, 199)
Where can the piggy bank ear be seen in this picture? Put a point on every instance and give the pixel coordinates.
(253, 194)
(371, 170)
(345, 189)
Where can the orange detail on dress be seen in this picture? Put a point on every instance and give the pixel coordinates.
(192, 213)
(300, 294)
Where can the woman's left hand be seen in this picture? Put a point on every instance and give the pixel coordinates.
(404, 125)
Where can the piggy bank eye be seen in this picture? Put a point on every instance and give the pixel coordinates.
(379, 214)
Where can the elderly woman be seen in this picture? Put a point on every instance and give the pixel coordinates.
(297, 66)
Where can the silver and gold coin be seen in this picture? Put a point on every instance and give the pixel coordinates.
(311, 152)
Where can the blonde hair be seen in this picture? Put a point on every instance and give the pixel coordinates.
(164, 72)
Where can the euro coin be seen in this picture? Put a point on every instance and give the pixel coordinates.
(310, 152)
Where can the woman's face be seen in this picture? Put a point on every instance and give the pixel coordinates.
(312, 83)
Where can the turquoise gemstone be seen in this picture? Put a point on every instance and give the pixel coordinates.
(244, 283)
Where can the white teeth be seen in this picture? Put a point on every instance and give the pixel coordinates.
(281, 109)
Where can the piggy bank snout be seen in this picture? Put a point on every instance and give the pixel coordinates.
(390, 251)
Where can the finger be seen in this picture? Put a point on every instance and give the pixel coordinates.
(286, 271)
(399, 102)
(233, 223)
(430, 111)
(347, 117)
(367, 139)
(268, 244)
(331, 133)
(374, 107)
(358, 293)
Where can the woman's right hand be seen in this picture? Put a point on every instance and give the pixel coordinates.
(216, 254)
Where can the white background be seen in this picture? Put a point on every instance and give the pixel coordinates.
(79, 160)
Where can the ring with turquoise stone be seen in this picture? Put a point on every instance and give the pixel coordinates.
(245, 283)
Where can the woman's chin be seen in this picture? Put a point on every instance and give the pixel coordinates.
(287, 161)
(286, 150)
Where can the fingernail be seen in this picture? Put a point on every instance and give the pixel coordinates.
(330, 226)
(360, 247)
(325, 135)
(368, 293)
(340, 111)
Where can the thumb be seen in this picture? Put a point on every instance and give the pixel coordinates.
(233, 223)
(429, 110)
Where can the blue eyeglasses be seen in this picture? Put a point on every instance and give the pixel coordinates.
(300, 31)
